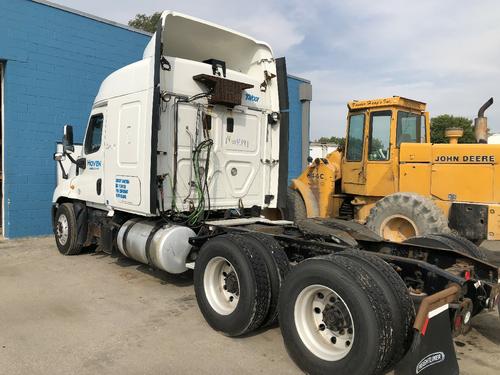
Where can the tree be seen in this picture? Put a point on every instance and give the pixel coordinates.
(146, 23)
(440, 123)
(339, 141)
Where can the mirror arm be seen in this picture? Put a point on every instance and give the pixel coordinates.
(64, 174)
(70, 157)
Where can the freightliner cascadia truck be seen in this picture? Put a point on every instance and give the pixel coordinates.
(184, 166)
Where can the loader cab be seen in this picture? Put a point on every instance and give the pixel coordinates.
(375, 131)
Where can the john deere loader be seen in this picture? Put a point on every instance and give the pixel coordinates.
(393, 179)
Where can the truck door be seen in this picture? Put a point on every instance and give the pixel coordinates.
(90, 181)
(132, 136)
(380, 175)
(353, 171)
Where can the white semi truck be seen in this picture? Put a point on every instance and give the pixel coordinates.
(184, 166)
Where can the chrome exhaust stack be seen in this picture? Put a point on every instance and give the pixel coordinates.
(481, 123)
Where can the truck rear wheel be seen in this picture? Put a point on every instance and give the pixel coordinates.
(231, 284)
(65, 230)
(400, 216)
(277, 267)
(400, 302)
(335, 318)
(450, 241)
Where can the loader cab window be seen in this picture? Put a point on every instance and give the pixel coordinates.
(380, 136)
(411, 128)
(94, 134)
(355, 137)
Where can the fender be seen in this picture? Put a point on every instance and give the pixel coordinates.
(81, 221)
(310, 201)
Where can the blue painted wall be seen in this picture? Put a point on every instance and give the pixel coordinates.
(295, 166)
(54, 63)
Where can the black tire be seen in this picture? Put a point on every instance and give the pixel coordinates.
(466, 246)
(253, 284)
(278, 267)
(295, 208)
(449, 241)
(422, 211)
(68, 244)
(366, 301)
(400, 302)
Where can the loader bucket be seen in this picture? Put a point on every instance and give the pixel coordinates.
(432, 351)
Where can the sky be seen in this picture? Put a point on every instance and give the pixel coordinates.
(445, 53)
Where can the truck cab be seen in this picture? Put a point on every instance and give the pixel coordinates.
(376, 129)
(194, 124)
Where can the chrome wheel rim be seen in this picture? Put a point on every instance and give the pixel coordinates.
(222, 286)
(62, 229)
(324, 322)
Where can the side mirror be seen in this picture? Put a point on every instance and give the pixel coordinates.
(81, 163)
(59, 156)
(68, 145)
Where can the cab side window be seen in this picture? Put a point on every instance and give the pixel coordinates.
(355, 137)
(94, 134)
(380, 136)
(411, 128)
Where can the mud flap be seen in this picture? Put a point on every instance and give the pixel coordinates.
(432, 351)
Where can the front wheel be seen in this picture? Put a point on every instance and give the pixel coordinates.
(65, 230)
(400, 216)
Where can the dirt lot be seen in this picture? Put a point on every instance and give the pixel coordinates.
(94, 314)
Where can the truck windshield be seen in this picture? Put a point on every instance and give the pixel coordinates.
(411, 128)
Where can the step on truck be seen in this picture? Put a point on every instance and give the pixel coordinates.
(184, 166)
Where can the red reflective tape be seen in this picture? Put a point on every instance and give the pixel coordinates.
(467, 275)
(424, 328)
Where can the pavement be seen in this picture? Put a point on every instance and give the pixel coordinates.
(97, 314)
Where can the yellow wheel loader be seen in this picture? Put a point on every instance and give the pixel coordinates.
(390, 177)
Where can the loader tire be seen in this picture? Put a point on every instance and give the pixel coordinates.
(335, 318)
(231, 284)
(278, 267)
(400, 302)
(295, 208)
(400, 216)
(66, 231)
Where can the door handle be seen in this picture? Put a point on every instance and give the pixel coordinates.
(98, 186)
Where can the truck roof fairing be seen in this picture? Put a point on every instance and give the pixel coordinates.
(195, 39)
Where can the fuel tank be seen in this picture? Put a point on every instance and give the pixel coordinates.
(161, 245)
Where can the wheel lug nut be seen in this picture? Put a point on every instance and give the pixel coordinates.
(347, 343)
(333, 340)
(224, 274)
(322, 327)
(349, 331)
(231, 299)
(332, 299)
(341, 332)
(320, 295)
(317, 310)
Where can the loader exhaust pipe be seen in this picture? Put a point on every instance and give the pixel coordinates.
(481, 123)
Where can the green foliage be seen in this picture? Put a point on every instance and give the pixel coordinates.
(339, 141)
(145, 23)
(440, 123)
